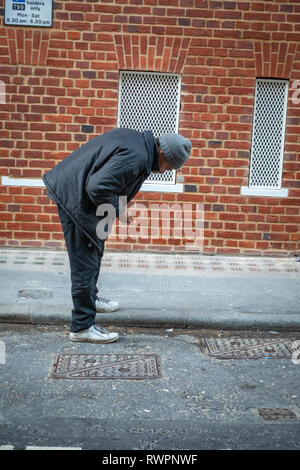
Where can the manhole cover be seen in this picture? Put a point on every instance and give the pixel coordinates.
(246, 348)
(106, 366)
(35, 293)
(276, 414)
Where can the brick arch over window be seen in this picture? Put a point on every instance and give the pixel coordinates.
(274, 59)
(162, 54)
(27, 47)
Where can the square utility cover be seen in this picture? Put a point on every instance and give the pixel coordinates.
(105, 366)
(246, 348)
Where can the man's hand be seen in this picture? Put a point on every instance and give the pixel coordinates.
(127, 219)
(130, 218)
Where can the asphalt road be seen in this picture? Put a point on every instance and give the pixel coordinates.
(198, 402)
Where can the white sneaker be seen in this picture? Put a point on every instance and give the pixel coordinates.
(106, 306)
(94, 334)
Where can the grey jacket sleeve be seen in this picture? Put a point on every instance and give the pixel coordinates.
(106, 185)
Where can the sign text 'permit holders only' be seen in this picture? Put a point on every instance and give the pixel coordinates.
(28, 13)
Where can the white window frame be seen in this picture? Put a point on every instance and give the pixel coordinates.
(150, 185)
(268, 190)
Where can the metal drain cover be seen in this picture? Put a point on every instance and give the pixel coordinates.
(105, 366)
(246, 348)
(276, 414)
(35, 293)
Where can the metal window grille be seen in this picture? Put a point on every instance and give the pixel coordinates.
(150, 101)
(268, 133)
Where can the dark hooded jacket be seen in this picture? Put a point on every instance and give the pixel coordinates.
(113, 164)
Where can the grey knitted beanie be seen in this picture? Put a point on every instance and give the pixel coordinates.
(175, 148)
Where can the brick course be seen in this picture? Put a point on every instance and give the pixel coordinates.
(62, 89)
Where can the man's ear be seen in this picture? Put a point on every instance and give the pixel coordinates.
(161, 157)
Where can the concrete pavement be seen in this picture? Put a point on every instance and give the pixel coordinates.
(157, 290)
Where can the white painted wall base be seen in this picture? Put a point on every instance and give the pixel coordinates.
(38, 183)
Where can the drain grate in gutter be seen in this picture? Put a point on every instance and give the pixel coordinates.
(246, 348)
(276, 414)
(105, 366)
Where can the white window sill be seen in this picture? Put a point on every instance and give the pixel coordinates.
(162, 188)
(38, 183)
(246, 191)
(34, 183)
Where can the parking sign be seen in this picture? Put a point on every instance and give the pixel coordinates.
(36, 13)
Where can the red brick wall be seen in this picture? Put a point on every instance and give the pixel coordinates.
(62, 89)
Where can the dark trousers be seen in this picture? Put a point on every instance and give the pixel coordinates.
(85, 260)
